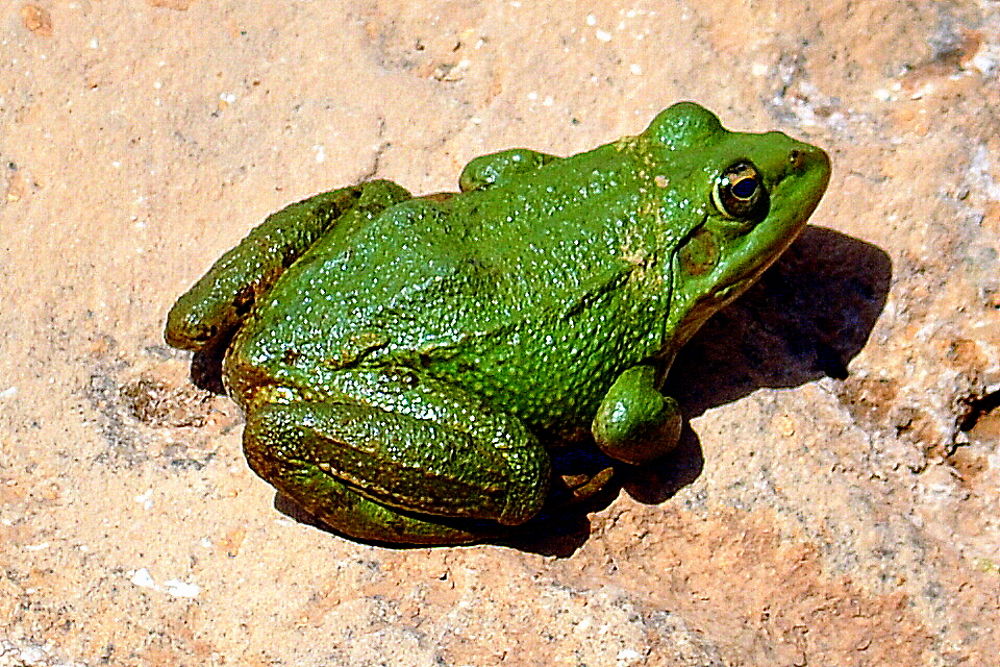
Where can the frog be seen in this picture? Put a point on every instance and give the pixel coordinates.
(407, 365)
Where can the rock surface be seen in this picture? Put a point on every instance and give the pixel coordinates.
(835, 500)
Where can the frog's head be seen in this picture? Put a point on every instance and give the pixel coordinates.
(741, 199)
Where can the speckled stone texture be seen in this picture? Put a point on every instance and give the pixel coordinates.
(835, 498)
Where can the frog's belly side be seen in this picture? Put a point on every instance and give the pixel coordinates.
(552, 378)
(550, 370)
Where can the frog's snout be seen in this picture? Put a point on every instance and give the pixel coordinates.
(804, 178)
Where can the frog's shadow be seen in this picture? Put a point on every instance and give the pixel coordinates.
(806, 318)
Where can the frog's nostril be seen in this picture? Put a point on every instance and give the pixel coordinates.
(807, 158)
(796, 158)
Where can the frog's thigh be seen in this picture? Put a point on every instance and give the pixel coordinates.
(495, 169)
(414, 449)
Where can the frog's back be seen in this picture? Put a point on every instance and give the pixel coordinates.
(503, 287)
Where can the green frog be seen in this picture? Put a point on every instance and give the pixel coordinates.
(406, 364)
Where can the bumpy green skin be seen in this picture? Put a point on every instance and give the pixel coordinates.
(403, 362)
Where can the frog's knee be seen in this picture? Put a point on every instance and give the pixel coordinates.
(529, 476)
(194, 321)
(271, 437)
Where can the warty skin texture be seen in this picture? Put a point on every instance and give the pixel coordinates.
(403, 362)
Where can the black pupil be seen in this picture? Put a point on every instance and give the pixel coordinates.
(744, 188)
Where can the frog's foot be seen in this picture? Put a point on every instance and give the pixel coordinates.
(488, 171)
(419, 464)
(635, 423)
(224, 296)
(574, 489)
(583, 487)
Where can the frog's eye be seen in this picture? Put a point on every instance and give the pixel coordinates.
(739, 192)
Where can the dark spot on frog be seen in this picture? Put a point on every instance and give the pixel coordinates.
(700, 254)
(244, 301)
(437, 197)
(290, 356)
(796, 158)
(408, 379)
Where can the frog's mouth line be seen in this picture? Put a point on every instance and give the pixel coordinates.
(688, 313)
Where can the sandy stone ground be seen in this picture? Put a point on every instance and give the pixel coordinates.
(835, 498)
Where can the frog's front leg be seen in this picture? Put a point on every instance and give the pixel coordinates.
(399, 458)
(224, 296)
(635, 423)
(488, 171)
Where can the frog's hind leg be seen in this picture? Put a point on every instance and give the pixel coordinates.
(349, 512)
(422, 464)
(224, 296)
